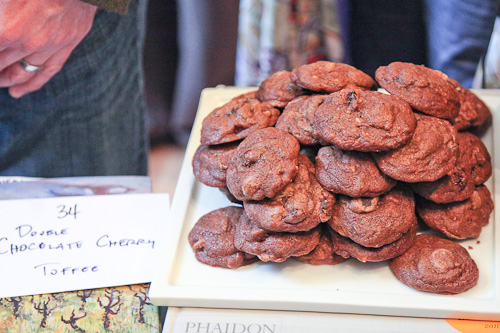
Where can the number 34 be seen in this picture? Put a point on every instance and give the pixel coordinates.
(67, 210)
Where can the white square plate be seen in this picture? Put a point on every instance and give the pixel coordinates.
(351, 287)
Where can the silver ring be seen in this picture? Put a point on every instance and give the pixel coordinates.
(29, 67)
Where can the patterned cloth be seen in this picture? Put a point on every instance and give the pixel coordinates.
(278, 35)
(119, 309)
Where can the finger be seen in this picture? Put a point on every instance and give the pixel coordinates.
(17, 74)
(40, 47)
(37, 81)
(41, 57)
(9, 57)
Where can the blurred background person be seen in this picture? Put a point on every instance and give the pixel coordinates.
(190, 45)
(488, 72)
(450, 36)
(241, 43)
(458, 34)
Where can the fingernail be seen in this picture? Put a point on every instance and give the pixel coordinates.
(16, 93)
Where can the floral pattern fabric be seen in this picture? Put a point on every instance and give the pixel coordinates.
(119, 309)
(278, 35)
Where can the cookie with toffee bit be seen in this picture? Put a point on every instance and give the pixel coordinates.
(278, 89)
(347, 248)
(458, 220)
(473, 112)
(426, 90)
(273, 246)
(430, 154)
(236, 119)
(323, 253)
(351, 173)
(436, 265)
(374, 222)
(328, 77)
(458, 184)
(364, 121)
(301, 206)
(210, 163)
(212, 237)
(298, 118)
(263, 164)
(482, 168)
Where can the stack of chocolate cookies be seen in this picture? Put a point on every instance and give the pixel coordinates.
(324, 168)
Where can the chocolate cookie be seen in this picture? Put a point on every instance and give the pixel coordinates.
(273, 246)
(323, 253)
(212, 239)
(473, 112)
(263, 164)
(346, 248)
(374, 222)
(301, 206)
(364, 121)
(427, 90)
(436, 265)
(328, 77)
(481, 159)
(458, 184)
(236, 119)
(350, 173)
(278, 89)
(458, 220)
(298, 118)
(210, 163)
(431, 153)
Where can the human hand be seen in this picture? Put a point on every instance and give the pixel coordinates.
(43, 33)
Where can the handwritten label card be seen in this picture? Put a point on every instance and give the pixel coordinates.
(85, 242)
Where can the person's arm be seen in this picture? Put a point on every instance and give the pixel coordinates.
(42, 33)
(118, 6)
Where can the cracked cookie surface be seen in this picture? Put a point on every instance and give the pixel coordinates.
(328, 77)
(212, 236)
(430, 154)
(301, 206)
(427, 90)
(236, 119)
(364, 121)
(263, 164)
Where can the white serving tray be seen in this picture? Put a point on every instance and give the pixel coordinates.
(350, 287)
